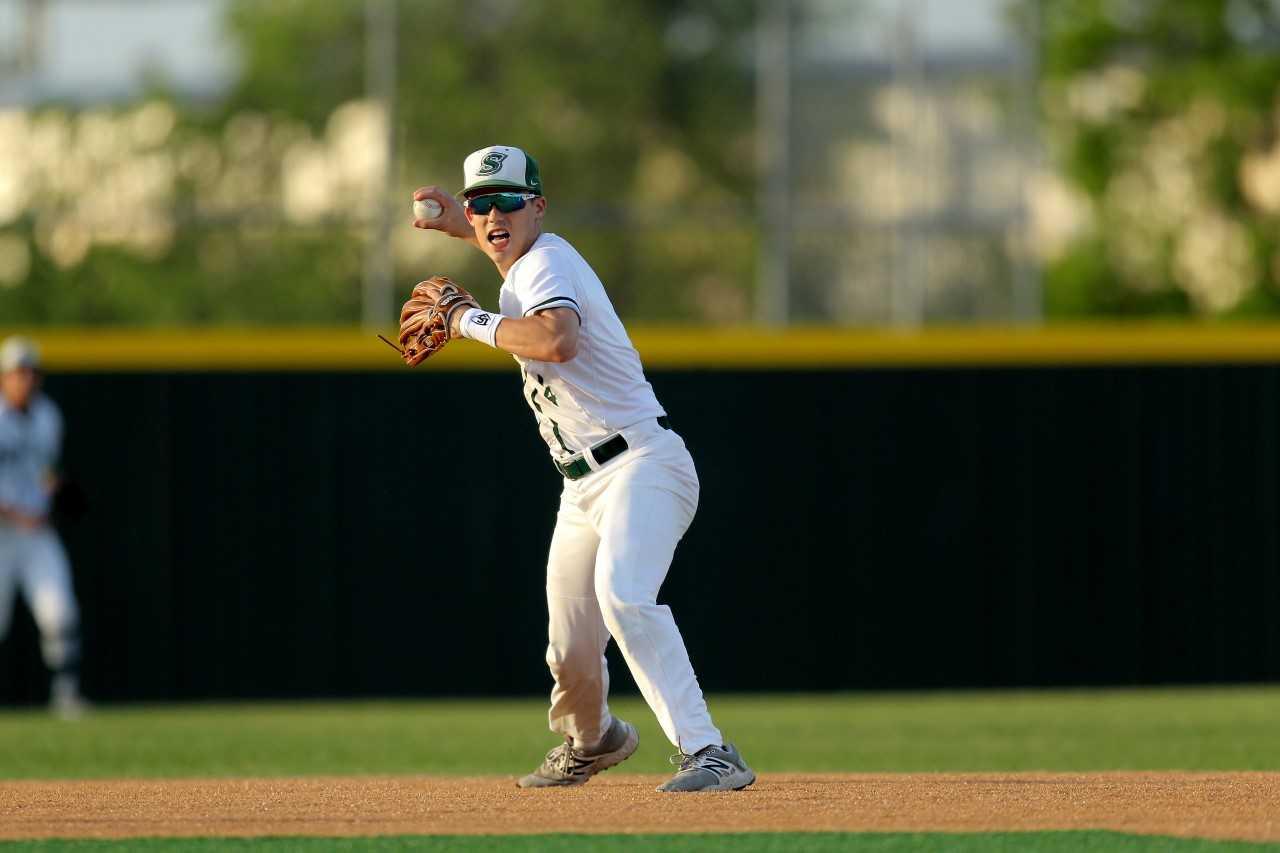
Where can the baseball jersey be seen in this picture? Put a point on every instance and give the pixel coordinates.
(29, 445)
(580, 402)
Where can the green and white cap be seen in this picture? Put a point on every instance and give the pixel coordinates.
(501, 167)
(18, 352)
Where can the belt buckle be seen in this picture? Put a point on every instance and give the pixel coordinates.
(574, 470)
(580, 467)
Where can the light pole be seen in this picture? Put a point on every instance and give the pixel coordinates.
(380, 83)
(773, 141)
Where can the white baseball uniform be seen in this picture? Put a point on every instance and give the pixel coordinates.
(34, 560)
(619, 522)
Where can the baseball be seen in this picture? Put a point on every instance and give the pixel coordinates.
(428, 208)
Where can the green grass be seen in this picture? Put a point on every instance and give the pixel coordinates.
(818, 842)
(1188, 729)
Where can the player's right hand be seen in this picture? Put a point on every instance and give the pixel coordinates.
(452, 220)
(21, 519)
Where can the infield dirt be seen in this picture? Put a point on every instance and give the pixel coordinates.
(1206, 805)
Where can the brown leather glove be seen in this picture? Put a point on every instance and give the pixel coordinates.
(425, 320)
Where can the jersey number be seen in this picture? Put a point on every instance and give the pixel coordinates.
(551, 397)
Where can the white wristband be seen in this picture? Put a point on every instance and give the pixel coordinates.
(480, 325)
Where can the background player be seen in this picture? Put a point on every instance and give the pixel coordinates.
(630, 488)
(31, 555)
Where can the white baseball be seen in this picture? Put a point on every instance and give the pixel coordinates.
(428, 208)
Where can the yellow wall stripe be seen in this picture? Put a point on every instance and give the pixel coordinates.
(95, 349)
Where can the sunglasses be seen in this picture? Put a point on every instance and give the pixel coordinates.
(505, 202)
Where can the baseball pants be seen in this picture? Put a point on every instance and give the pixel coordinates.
(35, 561)
(616, 532)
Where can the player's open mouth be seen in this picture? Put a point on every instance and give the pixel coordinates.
(498, 238)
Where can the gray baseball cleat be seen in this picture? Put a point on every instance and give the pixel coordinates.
(712, 768)
(65, 700)
(567, 765)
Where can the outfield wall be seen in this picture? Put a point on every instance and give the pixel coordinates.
(277, 532)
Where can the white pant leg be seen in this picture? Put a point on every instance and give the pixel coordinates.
(45, 576)
(641, 510)
(9, 552)
(576, 634)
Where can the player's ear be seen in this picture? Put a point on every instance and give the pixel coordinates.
(540, 205)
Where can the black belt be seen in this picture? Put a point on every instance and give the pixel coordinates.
(603, 452)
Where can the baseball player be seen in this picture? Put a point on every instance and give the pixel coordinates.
(630, 488)
(31, 555)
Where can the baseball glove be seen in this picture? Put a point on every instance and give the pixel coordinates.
(425, 320)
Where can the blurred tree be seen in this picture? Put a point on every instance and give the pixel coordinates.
(252, 210)
(638, 112)
(1164, 115)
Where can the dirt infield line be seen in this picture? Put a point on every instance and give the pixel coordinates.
(1206, 805)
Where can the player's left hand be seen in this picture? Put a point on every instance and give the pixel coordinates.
(428, 320)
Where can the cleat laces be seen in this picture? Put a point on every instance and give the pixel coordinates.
(566, 760)
(702, 760)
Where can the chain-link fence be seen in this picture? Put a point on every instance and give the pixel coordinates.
(910, 142)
